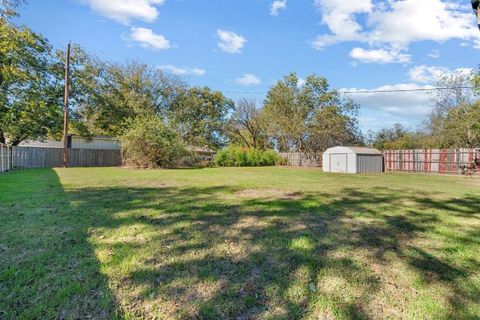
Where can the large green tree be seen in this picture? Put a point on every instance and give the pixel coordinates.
(29, 103)
(200, 116)
(309, 117)
(111, 94)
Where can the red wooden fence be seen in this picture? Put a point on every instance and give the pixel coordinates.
(441, 161)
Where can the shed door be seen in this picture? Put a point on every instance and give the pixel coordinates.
(338, 162)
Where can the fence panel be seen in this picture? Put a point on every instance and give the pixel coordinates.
(302, 160)
(5, 158)
(441, 161)
(33, 157)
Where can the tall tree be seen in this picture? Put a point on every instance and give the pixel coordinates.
(110, 94)
(200, 116)
(246, 125)
(29, 106)
(295, 115)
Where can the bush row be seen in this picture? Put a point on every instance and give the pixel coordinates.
(233, 156)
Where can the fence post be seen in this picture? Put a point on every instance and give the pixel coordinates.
(1, 156)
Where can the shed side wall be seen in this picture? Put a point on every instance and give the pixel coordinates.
(367, 163)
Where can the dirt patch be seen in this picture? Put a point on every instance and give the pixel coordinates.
(268, 194)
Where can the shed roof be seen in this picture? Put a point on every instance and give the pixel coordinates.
(363, 150)
(356, 150)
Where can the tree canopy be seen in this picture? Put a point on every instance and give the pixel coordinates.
(296, 115)
(29, 101)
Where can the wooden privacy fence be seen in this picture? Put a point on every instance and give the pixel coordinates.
(441, 161)
(33, 157)
(5, 158)
(302, 159)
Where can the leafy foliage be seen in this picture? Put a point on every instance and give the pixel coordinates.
(234, 156)
(149, 143)
(109, 95)
(29, 104)
(461, 127)
(200, 116)
(295, 113)
(398, 137)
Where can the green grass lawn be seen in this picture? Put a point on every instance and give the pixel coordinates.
(237, 243)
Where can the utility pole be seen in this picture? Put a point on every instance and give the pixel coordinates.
(65, 108)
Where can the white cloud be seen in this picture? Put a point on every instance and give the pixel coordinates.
(394, 25)
(379, 55)
(425, 74)
(230, 42)
(148, 39)
(412, 104)
(434, 54)
(430, 74)
(248, 79)
(126, 10)
(277, 6)
(182, 71)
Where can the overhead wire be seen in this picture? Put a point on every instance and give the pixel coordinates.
(350, 91)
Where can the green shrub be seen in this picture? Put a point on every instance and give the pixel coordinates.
(149, 143)
(233, 156)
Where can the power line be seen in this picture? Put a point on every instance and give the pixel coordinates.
(404, 90)
(372, 91)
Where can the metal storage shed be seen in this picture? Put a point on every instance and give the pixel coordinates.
(352, 160)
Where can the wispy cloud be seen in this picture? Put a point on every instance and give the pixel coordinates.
(434, 54)
(430, 74)
(277, 6)
(248, 79)
(379, 56)
(183, 71)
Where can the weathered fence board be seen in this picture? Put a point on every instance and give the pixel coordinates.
(5, 158)
(302, 160)
(33, 157)
(441, 161)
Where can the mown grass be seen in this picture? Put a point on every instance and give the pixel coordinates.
(237, 243)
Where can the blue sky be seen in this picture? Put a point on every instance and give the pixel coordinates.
(241, 47)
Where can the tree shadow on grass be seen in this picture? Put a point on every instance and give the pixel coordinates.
(206, 253)
(48, 268)
(201, 252)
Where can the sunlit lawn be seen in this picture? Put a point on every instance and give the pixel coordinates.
(234, 243)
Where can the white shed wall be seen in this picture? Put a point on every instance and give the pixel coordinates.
(347, 160)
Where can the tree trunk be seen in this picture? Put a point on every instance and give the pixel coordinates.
(16, 142)
(2, 137)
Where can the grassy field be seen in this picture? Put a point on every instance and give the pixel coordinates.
(237, 243)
